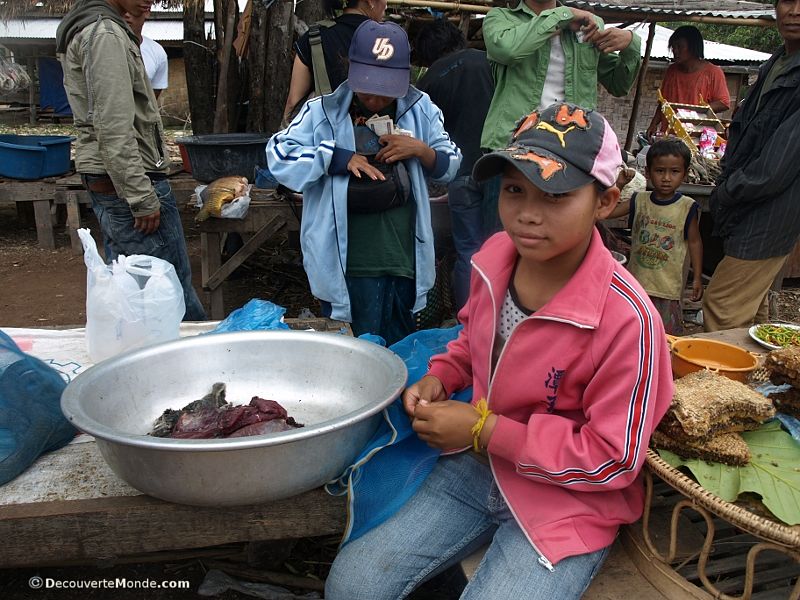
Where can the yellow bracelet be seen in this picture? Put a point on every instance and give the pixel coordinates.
(482, 408)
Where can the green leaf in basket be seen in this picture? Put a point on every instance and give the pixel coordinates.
(722, 480)
(773, 472)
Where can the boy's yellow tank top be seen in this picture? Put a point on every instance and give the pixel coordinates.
(658, 245)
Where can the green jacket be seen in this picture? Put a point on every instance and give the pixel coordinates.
(114, 109)
(518, 47)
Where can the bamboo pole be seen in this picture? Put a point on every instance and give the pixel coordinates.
(462, 6)
(637, 96)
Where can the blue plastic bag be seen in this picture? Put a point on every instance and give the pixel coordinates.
(253, 316)
(31, 421)
(395, 462)
(265, 179)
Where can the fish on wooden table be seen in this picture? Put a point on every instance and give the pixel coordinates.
(218, 193)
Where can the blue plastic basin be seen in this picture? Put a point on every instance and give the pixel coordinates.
(34, 156)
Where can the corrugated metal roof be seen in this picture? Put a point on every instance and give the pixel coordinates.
(713, 51)
(33, 29)
(209, 7)
(45, 29)
(731, 9)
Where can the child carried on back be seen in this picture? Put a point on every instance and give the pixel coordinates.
(570, 374)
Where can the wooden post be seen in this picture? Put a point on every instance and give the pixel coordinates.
(224, 57)
(639, 82)
(279, 61)
(31, 62)
(463, 24)
(198, 55)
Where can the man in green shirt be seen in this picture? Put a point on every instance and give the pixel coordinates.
(542, 52)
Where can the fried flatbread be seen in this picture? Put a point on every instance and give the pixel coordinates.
(706, 404)
(787, 402)
(784, 365)
(727, 448)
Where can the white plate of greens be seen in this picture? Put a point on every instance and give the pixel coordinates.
(775, 335)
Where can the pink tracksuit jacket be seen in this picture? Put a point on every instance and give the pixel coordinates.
(578, 389)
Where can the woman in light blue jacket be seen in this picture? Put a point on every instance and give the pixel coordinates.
(366, 229)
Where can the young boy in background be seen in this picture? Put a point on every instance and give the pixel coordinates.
(665, 225)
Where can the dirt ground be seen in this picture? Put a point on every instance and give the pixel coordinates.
(47, 288)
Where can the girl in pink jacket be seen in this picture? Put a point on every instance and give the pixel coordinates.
(570, 373)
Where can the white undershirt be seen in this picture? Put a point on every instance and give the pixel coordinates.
(511, 315)
(155, 62)
(553, 90)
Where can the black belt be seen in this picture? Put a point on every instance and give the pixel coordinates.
(102, 184)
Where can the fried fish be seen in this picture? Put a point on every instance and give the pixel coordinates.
(218, 193)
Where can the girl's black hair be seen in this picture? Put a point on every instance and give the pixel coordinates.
(435, 40)
(693, 37)
(331, 6)
(670, 146)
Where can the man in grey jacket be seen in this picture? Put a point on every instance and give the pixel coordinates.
(755, 203)
(120, 151)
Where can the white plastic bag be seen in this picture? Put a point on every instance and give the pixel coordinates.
(135, 301)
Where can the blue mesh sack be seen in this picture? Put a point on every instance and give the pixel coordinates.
(395, 462)
(31, 421)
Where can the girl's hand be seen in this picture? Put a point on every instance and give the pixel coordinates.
(358, 165)
(445, 425)
(427, 389)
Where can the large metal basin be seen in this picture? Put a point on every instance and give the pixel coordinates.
(336, 385)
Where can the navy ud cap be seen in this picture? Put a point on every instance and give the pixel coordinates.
(380, 60)
(560, 148)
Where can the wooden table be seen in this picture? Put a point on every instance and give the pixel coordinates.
(69, 507)
(270, 213)
(42, 194)
(70, 192)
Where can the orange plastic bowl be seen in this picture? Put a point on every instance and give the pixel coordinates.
(694, 354)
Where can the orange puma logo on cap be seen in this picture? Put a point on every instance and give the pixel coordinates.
(547, 166)
(576, 117)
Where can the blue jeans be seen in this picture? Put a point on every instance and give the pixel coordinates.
(456, 511)
(264, 179)
(167, 242)
(465, 199)
(380, 305)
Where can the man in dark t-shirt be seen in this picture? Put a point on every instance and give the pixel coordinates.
(336, 44)
(459, 81)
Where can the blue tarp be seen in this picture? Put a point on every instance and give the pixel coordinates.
(51, 87)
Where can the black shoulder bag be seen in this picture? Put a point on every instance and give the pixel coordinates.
(366, 195)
